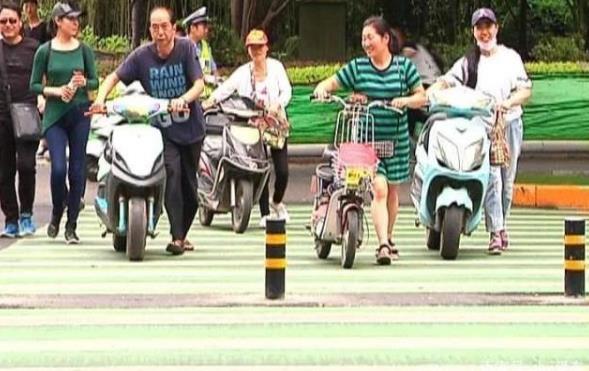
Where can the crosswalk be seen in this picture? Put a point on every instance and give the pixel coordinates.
(87, 307)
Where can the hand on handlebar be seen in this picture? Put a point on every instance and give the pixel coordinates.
(358, 98)
(178, 105)
(97, 108)
(400, 103)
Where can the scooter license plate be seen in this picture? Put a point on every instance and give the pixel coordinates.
(354, 176)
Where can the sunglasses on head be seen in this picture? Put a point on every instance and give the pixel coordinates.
(8, 20)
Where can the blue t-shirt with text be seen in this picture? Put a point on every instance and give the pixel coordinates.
(167, 79)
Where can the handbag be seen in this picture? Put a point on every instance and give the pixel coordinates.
(26, 121)
(499, 153)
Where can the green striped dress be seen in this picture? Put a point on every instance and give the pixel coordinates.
(397, 80)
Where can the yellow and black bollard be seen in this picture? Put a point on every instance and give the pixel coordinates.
(275, 258)
(574, 257)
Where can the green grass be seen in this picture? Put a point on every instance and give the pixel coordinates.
(552, 179)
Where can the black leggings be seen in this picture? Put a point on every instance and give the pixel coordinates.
(280, 160)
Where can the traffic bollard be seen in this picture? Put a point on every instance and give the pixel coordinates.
(275, 258)
(574, 257)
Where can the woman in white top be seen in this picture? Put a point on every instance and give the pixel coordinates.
(499, 71)
(265, 81)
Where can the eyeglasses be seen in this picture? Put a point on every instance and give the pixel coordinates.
(8, 20)
(71, 18)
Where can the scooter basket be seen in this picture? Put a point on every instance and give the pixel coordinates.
(355, 161)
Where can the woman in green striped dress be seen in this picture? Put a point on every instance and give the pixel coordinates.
(382, 75)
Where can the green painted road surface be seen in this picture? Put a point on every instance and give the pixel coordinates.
(86, 307)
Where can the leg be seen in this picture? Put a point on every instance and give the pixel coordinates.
(78, 130)
(514, 141)
(380, 214)
(508, 174)
(56, 137)
(280, 159)
(26, 165)
(393, 211)
(190, 157)
(174, 201)
(8, 200)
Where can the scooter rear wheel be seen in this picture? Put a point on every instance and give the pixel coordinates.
(433, 239)
(119, 243)
(137, 230)
(351, 233)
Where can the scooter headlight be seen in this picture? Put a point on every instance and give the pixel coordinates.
(447, 153)
(473, 156)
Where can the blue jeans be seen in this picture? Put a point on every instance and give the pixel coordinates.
(501, 180)
(71, 130)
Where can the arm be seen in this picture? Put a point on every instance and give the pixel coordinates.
(326, 87)
(106, 87)
(227, 88)
(518, 98)
(90, 67)
(416, 99)
(284, 87)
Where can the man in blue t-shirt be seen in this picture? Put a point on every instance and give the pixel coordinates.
(168, 68)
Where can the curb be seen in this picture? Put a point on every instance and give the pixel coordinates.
(551, 196)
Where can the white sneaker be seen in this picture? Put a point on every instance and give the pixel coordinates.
(280, 211)
(262, 223)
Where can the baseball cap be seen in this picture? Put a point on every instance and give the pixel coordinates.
(483, 13)
(256, 37)
(64, 9)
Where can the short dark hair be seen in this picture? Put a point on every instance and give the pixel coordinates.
(12, 6)
(167, 9)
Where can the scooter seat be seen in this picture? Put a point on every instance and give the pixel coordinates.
(215, 123)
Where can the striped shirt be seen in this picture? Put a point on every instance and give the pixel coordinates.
(399, 79)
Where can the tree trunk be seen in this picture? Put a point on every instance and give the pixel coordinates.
(137, 25)
(275, 9)
(523, 29)
(236, 15)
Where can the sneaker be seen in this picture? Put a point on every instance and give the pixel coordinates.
(10, 230)
(280, 211)
(262, 223)
(27, 225)
(71, 238)
(504, 239)
(53, 227)
(495, 244)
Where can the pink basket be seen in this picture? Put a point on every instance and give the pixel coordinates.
(357, 154)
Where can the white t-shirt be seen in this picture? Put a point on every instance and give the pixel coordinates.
(274, 89)
(499, 75)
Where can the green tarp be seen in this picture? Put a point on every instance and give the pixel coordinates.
(558, 110)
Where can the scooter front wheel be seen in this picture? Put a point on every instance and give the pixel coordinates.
(137, 229)
(244, 197)
(451, 230)
(322, 248)
(351, 232)
(205, 216)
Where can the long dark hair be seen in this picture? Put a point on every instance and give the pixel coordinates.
(381, 26)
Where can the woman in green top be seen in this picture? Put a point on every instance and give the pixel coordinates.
(64, 72)
(381, 75)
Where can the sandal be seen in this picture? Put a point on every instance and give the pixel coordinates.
(394, 251)
(188, 246)
(175, 249)
(383, 255)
